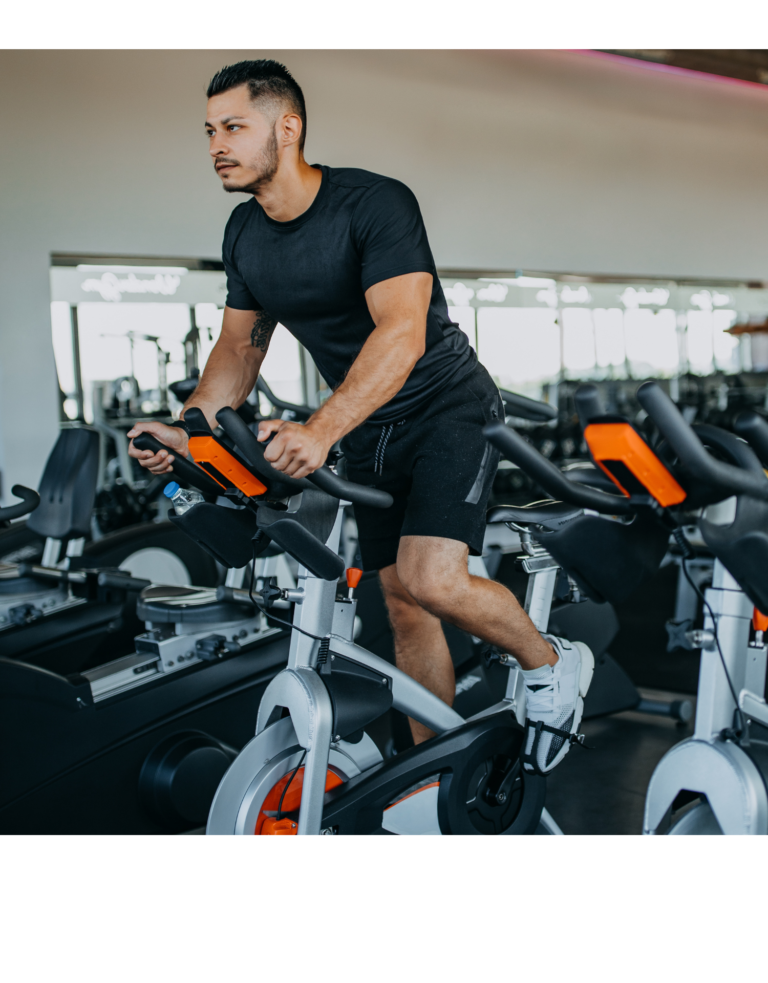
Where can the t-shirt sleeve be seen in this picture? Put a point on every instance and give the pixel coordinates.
(239, 296)
(389, 234)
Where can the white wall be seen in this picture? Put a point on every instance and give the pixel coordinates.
(521, 159)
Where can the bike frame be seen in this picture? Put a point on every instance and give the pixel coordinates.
(707, 763)
(299, 689)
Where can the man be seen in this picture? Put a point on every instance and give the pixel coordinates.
(340, 257)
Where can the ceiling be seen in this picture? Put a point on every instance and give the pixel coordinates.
(749, 65)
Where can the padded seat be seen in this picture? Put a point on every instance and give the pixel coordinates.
(190, 605)
(547, 513)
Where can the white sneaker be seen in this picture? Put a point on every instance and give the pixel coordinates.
(555, 704)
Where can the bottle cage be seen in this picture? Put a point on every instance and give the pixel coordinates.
(620, 451)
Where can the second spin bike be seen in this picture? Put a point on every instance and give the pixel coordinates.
(714, 781)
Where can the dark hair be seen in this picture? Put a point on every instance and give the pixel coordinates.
(265, 78)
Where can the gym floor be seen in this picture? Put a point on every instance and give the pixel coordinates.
(602, 790)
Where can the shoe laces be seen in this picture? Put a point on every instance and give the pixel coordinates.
(543, 697)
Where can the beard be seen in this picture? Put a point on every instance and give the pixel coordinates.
(264, 165)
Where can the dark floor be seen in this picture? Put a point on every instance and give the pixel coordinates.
(602, 791)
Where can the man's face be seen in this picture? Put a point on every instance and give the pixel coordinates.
(243, 143)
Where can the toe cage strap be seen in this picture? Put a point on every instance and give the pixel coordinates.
(539, 727)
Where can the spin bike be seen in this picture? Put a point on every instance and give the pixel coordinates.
(714, 781)
(311, 767)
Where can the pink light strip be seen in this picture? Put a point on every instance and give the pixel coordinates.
(655, 66)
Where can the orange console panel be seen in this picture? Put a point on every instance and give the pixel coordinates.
(223, 466)
(630, 463)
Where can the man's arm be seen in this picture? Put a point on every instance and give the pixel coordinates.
(399, 309)
(230, 374)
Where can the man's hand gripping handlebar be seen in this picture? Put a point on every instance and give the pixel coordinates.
(253, 452)
(172, 443)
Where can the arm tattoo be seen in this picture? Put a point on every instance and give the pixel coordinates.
(262, 330)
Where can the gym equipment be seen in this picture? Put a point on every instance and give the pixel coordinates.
(69, 607)
(713, 781)
(600, 564)
(311, 725)
(139, 743)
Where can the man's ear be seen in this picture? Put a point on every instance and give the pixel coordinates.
(289, 128)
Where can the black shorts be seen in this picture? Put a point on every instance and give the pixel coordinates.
(437, 466)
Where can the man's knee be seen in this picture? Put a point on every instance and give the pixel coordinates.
(431, 581)
(401, 605)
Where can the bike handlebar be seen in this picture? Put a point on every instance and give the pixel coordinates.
(186, 470)
(692, 452)
(588, 404)
(527, 409)
(253, 450)
(754, 430)
(551, 479)
(29, 502)
(281, 404)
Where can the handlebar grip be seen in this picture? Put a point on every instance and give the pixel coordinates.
(185, 469)
(551, 479)
(341, 488)
(252, 449)
(527, 409)
(690, 449)
(588, 404)
(754, 430)
(29, 502)
(123, 581)
(323, 478)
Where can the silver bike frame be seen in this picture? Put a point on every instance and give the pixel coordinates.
(299, 688)
(706, 763)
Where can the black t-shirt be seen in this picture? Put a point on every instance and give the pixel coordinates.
(311, 275)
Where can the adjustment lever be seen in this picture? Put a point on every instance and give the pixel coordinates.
(214, 648)
(239, 595)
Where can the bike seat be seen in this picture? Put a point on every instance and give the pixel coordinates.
(549, 514)
(191, 605)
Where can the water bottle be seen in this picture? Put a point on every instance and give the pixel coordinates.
(182, 498)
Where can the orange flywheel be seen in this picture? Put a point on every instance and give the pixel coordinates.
(269, 825)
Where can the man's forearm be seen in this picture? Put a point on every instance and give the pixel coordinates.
(376, 376)
(230, 375)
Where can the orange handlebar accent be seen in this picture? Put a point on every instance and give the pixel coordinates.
(353, 576)
(759, 620)
(623, 455)
(207, 450)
